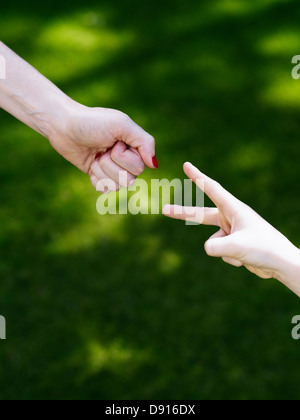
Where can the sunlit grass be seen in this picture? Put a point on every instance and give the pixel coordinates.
(14, 27)
(69, 46)
(243, 7)
(281, 90)
(207, 13)
(170, 262)
(252, 156)
(113, 357)
(280, 43)
(97, 93)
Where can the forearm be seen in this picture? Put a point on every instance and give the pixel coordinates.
(288, 271)
(30, 97)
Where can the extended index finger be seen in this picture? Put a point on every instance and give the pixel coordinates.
(219, 196)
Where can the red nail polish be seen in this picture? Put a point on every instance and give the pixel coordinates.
(155, 163)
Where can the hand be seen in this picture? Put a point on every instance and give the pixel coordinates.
(102, 143)
(244, 238)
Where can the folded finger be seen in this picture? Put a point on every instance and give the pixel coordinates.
(232, 261)
(127, 158)
(115, 172)
(101, 181)
(94, 181)
(219, 234)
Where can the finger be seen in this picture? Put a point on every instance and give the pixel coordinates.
(128, 159)
(219, 234)
(105, 186)
(102, 181)
(204, 216)
(258, 272)
(222, 198)
(94, 181)
(115, 172)
(232, 261)
(133, 135)
(221, 247)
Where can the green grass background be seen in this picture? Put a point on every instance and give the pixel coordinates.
(130, 307)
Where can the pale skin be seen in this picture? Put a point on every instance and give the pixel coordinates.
(104, 142)
(100, 142)
(244, 238)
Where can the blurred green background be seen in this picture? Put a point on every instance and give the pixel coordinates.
(130, 307)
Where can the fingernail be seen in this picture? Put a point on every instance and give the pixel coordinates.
(155, 163)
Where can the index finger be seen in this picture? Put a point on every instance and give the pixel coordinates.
(218, 195)
(137, 138)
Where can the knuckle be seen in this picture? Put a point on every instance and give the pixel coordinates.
(131, 181)
(151, 140)
(115, 187)
(127, 180)
(122, 118)
(140, 169)
(121, 124)
(208, 248)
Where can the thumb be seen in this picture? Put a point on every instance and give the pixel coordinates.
(221, 247)
(134, 136)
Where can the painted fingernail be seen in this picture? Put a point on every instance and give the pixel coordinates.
(155, 163)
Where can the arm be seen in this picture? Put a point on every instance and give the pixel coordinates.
(100, 142)
(244, 238)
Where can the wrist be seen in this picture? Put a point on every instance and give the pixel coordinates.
(53, 121)
(288, 268)
(64, 120)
